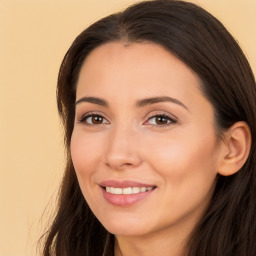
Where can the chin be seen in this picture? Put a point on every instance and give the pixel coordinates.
(126, 227)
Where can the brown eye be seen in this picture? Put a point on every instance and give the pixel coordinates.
(97, 119)
(161, 120)
(93, 120)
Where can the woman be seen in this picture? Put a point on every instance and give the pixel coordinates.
(158, 105)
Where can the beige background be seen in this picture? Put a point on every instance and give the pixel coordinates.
(34, 36)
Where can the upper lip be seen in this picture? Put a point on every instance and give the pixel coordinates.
(124, 184)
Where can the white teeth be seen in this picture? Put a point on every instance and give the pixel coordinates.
(128, 190)
(135, 190)
(118, 191)
(143, 189)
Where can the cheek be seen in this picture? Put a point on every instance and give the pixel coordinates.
(188, 174)
(188, 167)
(179, 155)
(86, 154)
(85, 151)
(191, 152)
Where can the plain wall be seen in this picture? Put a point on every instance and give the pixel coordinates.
(34, 36)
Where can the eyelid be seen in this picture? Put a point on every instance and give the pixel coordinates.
(92, 113)
(170, 117)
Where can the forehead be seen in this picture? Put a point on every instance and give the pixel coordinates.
(138, 65)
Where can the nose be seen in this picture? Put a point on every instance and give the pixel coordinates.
(122, 151)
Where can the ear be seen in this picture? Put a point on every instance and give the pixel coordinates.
(235, 149)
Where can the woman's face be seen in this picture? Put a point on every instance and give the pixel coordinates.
(144, 146)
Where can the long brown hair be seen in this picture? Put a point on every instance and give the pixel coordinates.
(228, 227)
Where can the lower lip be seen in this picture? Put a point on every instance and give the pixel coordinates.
(125, 200)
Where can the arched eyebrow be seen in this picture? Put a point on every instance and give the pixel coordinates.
(154, 100)
(93, 100)
(139, 103)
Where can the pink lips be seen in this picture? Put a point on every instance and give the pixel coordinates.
(123, 184)
(128, 199)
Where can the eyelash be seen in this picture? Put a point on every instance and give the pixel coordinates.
(170, 120)
(90, 115)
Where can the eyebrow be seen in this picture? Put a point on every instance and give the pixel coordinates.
(139, 103)
(154, 100)
(93, 100)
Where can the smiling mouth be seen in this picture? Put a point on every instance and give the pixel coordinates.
(127, 190)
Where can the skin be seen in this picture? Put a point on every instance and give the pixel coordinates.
(179, 154)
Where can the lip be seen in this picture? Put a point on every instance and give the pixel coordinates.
(124, 184)
(125, 200)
